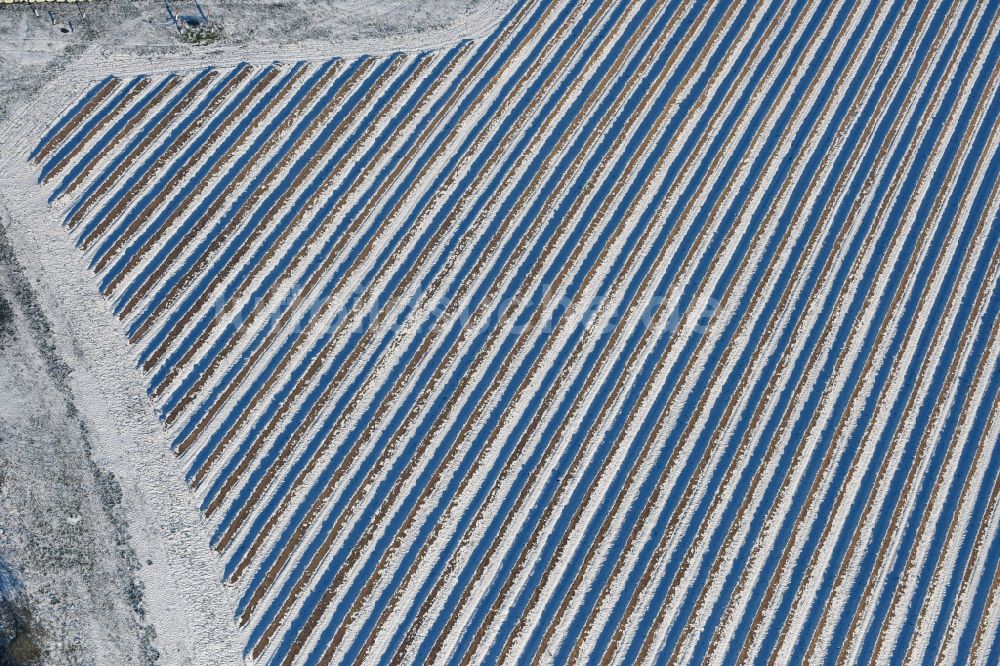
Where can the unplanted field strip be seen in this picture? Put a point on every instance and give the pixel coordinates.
(632, 332)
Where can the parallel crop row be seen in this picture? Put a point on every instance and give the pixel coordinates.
(638, 331)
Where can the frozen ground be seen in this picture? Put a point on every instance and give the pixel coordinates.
(73, 597)
(104, 558)
(125, 36)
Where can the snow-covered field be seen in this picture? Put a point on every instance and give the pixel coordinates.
(55, 532)
(621, 331)
(64, 537)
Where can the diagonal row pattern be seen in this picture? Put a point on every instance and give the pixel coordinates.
(638, 331)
